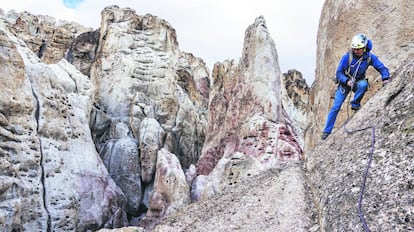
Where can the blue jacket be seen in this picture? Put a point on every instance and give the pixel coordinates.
(375, 62)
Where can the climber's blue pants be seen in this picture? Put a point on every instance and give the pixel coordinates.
(360, 88)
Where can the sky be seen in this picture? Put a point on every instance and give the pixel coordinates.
(210, 29)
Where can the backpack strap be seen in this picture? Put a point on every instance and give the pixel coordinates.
(369, 59)
(350, 57)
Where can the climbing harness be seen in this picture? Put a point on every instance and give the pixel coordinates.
(372, 127)
(352, 77)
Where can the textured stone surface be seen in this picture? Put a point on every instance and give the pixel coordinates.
(389, 26)
(121, 157)
(146, 76)
(246, 117)
(295, 93)
(157, 92)
(336, 167)
(171, 190)
(150, 141)
(46, 141)
(87, 132)
(44, 35)
(143, 96)
(21, 176)
(110, 149)
(82, 52)
(278, 203)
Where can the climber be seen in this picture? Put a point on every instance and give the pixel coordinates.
(350, 75)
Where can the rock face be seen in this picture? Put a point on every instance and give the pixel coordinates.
(82, 52)
(336, 168)
(389, 26)
(52, 175)
(81, 153)
(248, 130)
(171, 190)
(116, 127)
(274, 200)
(295, 94)
(47, 37)
(155, 98)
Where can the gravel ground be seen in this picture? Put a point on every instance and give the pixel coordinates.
(276, 200)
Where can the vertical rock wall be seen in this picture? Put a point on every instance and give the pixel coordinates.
(22, 190)
(150, 96)
(295, 94)
(248, 130)
(336, 168)
(53, 178)
(389, 26)
(100, 136)
(47, 37)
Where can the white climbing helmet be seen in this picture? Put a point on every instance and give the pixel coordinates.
(359, 41)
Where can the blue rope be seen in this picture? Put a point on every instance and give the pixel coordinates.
(361, 215)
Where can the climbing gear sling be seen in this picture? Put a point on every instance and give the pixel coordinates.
(350, 58)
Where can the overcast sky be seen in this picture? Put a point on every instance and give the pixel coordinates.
(210, 29)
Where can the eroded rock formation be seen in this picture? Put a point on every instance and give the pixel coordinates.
(84, 151)
(47, 37)
(295, 94)
(248, 130)
(159, 96)
(115, 127)
(52, 177)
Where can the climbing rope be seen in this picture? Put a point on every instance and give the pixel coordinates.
(364, 180)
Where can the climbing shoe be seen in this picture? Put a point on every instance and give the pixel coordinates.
(324, 135)
(355, 108)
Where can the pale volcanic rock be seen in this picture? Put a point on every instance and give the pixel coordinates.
(158, 92)
(151, 136)
(121, 157)
(46, 141)
(248, 131)
(44, 35)
(171, 191)
(295, 94)
(138, 137)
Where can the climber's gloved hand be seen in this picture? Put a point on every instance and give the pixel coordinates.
(386, 81)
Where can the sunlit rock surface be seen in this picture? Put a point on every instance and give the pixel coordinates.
(336, 167)
(295, 94)
(52, 175)
(248, 129)
(389, 26)
(116, 127)
(47, 37)
(72, 143)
